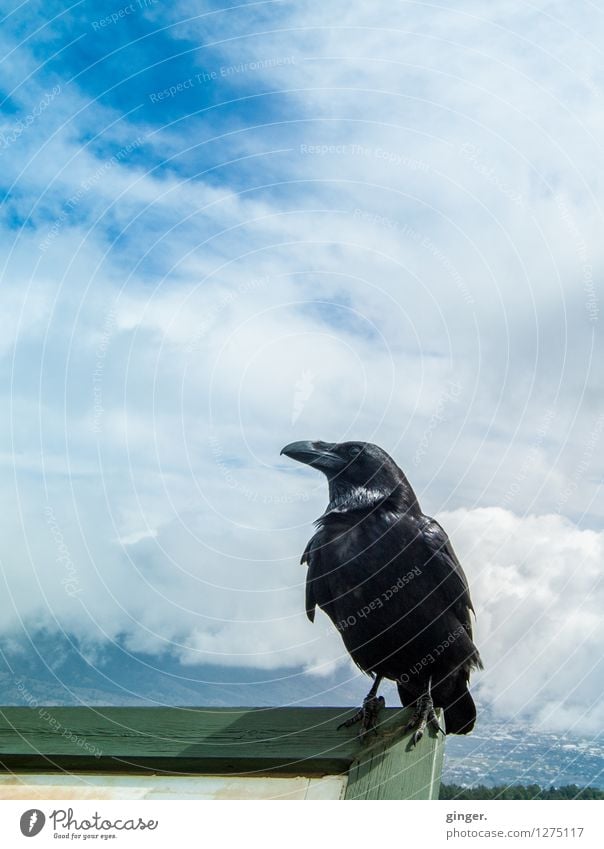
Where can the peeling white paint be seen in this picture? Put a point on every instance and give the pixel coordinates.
(113, 786)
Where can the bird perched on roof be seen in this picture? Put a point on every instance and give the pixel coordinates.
(389, 580)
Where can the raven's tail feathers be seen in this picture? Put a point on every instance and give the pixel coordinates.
(460, 712)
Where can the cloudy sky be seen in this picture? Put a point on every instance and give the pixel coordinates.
(224, 229)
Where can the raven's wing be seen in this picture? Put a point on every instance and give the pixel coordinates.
(444, 585)
(452, 585)
(320, 588)
(310, 557)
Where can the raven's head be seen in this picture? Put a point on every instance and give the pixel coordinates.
(360, 474)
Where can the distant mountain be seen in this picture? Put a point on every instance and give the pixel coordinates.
(56, 670)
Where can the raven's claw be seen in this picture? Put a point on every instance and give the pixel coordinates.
(423, 715)
(367, 716)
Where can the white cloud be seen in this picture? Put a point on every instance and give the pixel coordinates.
(537, 587)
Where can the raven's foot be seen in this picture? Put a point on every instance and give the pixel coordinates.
(367, 715)
(423, 716)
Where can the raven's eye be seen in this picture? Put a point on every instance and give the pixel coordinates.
(354, 451)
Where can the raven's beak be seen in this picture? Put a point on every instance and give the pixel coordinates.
(319, 455)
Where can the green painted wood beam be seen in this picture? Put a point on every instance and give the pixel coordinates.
(391, 768)
(242, 741)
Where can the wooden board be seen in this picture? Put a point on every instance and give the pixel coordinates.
(223, 741)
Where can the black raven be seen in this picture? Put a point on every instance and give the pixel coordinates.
(389, 580)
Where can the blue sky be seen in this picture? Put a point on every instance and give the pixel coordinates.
(225, 229)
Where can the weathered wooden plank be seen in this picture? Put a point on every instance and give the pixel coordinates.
(394, 769)
(177, 738)
(241, 741)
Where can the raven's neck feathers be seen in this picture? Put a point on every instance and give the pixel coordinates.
(358, 498)
(401, 499)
